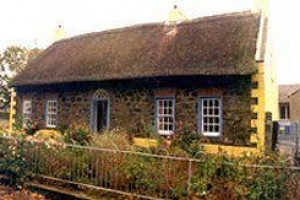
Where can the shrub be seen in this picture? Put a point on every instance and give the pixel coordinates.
(188, 142)
(111, 140)
(12, 160)
(31, 127)
(46, 134)
(77, 135)
(212, 176)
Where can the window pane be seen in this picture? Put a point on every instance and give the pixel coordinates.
(205, 128)
(166, 119)
(211, 128)
(217, 120)
(210, 115)
(165, 127)
(216, 103)
(51, 113)
(161, 103)
(161, 111)
(166, 103)
(216, 111)
(166, 115)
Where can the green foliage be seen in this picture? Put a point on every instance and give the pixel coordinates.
(111, 140)
(19, 123)
(13, 162)
(142, 129)
(188, 142)
(78, 135)
(211, 177)
(4, 92)
(63, 128)
(31, 127)
(15, 58)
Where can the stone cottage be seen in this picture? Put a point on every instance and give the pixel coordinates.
(205, 74)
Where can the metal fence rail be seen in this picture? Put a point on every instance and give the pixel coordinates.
(148, 176)
(289, 137)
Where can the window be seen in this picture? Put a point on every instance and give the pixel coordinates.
(27, 111)
(165, 111)
(51, 115)
(284, 110)
(210, 116)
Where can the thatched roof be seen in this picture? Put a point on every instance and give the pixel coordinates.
(215, 45)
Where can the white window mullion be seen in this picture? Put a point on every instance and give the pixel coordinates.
(27, 111)
(165, 115)
(210, 116)
(51, 115)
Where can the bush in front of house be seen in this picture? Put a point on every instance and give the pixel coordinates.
(118, 140)
(77, 134)
(49, 134)
(211, 177)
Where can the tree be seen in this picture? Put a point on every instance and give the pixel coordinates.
(12, 61)
(15, 58)
(4, 92)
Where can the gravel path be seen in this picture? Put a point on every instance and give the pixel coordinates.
(9, 193)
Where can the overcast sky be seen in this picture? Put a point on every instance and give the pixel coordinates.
(31, 23)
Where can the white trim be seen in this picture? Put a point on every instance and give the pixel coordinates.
(209, 116)
(53, 121)
(163, 115)
(259, 41)
(27, 111)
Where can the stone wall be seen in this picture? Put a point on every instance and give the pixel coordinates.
(133, 106)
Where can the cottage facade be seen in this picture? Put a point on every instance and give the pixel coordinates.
(206, 75)
(289, 106)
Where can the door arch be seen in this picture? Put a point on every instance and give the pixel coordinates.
(100, 111)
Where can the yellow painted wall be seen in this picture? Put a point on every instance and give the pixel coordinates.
(233, 151)
(271, 85)
(258, 137)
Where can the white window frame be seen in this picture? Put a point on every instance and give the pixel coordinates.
(27, 111)
(51, 122)
(161, 115)
(207, 116)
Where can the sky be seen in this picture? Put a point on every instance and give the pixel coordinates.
(31, 23)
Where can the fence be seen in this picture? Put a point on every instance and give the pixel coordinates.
(147, 176)
(289, 137)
